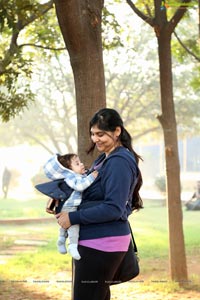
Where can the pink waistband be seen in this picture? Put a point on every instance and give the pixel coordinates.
(108, 244)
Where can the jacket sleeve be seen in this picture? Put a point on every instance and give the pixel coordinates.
(117, 178)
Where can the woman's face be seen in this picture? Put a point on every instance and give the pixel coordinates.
(106, 141)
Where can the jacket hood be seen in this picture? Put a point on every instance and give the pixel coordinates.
(54, 170)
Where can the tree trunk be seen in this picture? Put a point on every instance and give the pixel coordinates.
(164, 30)
(80, 24)
(178, 267)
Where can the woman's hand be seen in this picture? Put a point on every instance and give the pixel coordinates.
(95, 173)
(63, 220)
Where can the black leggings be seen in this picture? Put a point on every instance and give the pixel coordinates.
(94, 272)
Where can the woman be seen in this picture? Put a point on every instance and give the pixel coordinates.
(106, 205)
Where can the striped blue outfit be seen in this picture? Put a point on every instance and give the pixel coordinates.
(54, 170)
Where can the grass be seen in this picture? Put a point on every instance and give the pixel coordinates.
(43, 261)
(12, 208)
(149, 227)
(46, 257)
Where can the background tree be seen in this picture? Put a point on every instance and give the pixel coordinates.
(157, 16)
(15, 66)
(37, 40)
(51, 119)
(186, 47)
(33, 22)
(133, 90)
(80, 22)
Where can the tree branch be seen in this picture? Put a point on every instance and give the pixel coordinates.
(145, 132)
(181, 10)
(42, 8)
(13, 48)
(140, 14)
(38, 141)
(186, 49)
(40, 46)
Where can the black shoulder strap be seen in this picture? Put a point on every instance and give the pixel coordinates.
(133, 240)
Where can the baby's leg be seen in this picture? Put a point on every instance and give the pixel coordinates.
(73, 234)
(62, 240)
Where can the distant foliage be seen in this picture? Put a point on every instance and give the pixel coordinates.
(160, 183)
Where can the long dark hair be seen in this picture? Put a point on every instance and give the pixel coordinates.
(108, 119)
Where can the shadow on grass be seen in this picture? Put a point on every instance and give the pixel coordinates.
(15, 290)
(61, 290)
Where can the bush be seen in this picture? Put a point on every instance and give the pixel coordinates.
(160, 183)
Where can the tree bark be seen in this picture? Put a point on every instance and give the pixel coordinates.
(178, 266)
(80, 24)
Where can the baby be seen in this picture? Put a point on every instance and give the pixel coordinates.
(72, 170)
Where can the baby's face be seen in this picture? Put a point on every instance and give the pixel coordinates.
(77, 166)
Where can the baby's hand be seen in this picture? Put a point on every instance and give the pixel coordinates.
(95, 174)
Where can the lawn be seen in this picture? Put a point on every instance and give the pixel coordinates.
(34, 208)
(150, 228)
(43, 270)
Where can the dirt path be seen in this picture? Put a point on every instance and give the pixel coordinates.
(61, 290)
(21, 221)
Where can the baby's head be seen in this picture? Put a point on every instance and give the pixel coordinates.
(71, 161)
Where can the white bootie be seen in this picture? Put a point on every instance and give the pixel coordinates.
(61, 245)
(73, 251)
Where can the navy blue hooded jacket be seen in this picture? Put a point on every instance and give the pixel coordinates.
(111, 194)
